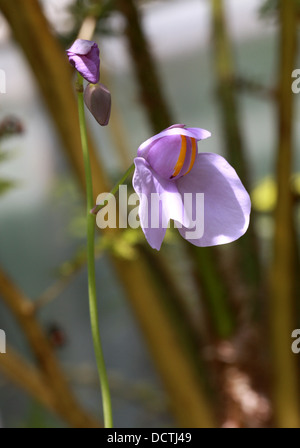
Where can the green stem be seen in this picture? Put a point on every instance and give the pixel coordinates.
(114, 190)
(106, 400)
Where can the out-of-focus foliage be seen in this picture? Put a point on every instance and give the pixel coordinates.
(264, 195)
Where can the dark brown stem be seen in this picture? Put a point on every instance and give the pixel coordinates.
(150, 87)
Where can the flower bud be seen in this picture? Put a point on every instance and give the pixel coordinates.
(97, 99)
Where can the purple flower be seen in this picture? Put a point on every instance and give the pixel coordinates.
(84, 56)
(201, 192)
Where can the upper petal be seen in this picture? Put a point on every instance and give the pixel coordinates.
(81, 46)
(85, 56)
(226, 202)
(196, 133)
(163, 155)
(160, 201)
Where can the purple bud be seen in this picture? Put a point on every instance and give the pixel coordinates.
(84, 55)
(97, 99)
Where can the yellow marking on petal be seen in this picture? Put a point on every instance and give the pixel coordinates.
(181, 157)
(193, 156)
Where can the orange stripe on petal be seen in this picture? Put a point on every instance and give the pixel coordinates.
(193, 156)
(181, 157)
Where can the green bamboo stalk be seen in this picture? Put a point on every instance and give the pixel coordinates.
(282, 278)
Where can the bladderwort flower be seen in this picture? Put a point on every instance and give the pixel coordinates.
(201, 192)
(84, 55)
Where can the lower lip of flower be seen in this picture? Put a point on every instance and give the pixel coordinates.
(183, 155)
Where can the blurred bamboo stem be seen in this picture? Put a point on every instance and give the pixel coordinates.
(88, 28)
(219, 313)
(151, 93)
(118, 131)
(49, 63)
(224, 64)
(187, 397)
(230, 115)
(282, 280)
(22, 308)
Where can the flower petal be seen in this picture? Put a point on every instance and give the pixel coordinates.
(85, 57)
(81, 46)
(160, 201)
(196, 133)
(86, 67)
(226, 202)
(163, 155)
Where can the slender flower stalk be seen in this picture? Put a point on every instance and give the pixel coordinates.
(106, 399)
